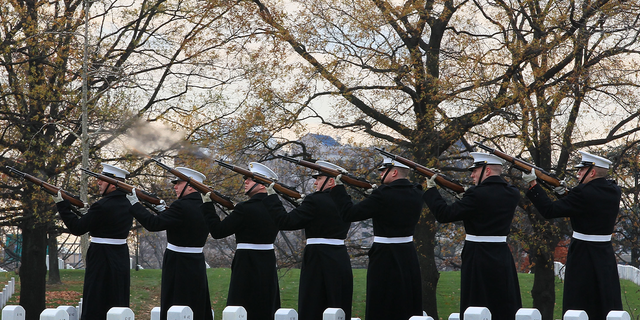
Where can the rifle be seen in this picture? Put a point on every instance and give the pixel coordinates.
(49, 188)
(346, 178)
(215, 196)
(280, 188)
(142, 195)
(441, 180)
(523, 165)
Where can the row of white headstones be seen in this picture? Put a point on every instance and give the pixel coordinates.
(7, 292)
(15, 312)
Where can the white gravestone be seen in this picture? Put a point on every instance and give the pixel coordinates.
(13, 313)
(420, 318)
(120, 313)
(54, 314)
(234, 313)
(575, 315)
(356, 319)
(155, 313)
(618, 315)
(454, 316)
(80, 308)
(528, 314)
(286, 314)
(477, 313)
(71, 311)
(180, 313)
(333, 314)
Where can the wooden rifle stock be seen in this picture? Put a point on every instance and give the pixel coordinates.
(441, 180)
(346, 178)
(202, 188)
(142, 195)
(280, 188)
(49, 188)
(523, 165)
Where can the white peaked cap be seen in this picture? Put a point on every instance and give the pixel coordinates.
(481, 158)
(117, 172)
(193, 174)
(589, 159)
(328, 165)
(388, 163)
(261, 169)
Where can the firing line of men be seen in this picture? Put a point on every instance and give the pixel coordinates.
(488, 278)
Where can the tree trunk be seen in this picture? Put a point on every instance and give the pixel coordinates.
(54, 271)
(543, 291)
(33, 270)
(425, 239)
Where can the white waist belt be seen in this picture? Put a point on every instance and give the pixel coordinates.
(108, 240)
(591, 237)
(335, 242)
(391, 240)
(473, 238)
(255, 246)
(184, 249)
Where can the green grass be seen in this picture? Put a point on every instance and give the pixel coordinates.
(145, 291)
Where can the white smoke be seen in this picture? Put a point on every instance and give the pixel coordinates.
(152, 137)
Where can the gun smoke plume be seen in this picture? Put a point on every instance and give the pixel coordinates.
(153, 137)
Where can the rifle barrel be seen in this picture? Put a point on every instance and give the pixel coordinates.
(346, 178)
(440, 179)
(49, 188)
(124, 186)
(523, 165)
(280, 188)
(202, 188)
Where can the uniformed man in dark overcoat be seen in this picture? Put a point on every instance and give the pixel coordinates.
(488, 275)
(326, 280)
(591, 280)
(107, 264)
(394, 288)
(254, 278)
(184, 274)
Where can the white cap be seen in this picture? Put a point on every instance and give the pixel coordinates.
(113, 171)
(481, 158)
(193, 174)
(327, 165)
(589, 159)
(262, 170)
(388, 163)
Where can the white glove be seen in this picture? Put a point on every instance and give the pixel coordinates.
(58, 197)
(84, 209)
(299, 201)
(132, 197)
(206, 197)
(373, 187)
(562, 189)
(337, 180)
(270, 189)
(431, 182)
(528, 177)
(460, 195)
(160, 207)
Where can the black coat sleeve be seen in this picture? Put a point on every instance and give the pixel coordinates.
(459, 210)
(363, 210)
(298, 218)
(221, 229)
(162, 221)
(80, 225)
(570, 205)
